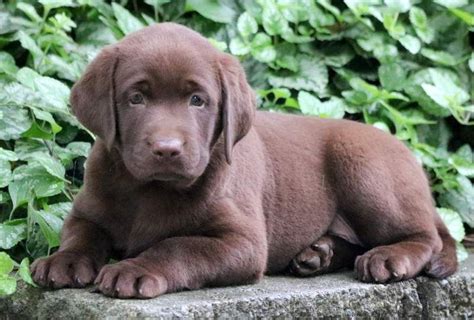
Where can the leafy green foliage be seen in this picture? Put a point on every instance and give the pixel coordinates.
(403, 66)
(8, 280)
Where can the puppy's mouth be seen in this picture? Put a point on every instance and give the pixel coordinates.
(173, 180)
(169, 176)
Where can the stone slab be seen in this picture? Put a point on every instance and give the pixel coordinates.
(335, 296)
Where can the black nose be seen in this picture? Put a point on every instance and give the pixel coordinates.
(167, 148)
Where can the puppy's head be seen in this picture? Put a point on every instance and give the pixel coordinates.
(167, 100)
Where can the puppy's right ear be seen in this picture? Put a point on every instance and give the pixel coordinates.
(93, 96)
(238, 103)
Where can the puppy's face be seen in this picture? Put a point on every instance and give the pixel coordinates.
(167, 100)
(162, 97)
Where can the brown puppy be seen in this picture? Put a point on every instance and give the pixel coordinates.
(172, 113)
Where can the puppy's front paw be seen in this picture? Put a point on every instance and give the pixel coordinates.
(127, 279)
(313, 260)
(64, 269)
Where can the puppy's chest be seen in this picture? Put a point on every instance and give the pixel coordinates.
(146, 220)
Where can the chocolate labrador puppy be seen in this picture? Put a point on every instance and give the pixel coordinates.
(188, 186)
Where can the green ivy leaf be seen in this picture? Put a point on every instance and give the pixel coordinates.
(220, 45)
(26, 148)
(454, 223)
(60, 209)
(213, 10)
(286, 56)
(7, 285)
(51, 4)
(440, 57)
(157, 3)
(390, 22)
(46, 116)
(27, 77)
(125, 20)
(247, 25)
(7, 282)
(452, 3)
(312, 76)
(382, 126)
(12, 232)
(309, 104)
(24, 272)
(290, 36)
(238, 47)
(419, 21)
(52, 166)
(392, 76)
(62, 21)
(38, 131)
(463, 161)
(29, 44)
(6, 263)
(50, 225)
(296, 11)
(54, 93)
(444, 91)
(273, 21)
(32, 178)
(30, 11)
(411, 43)
(7, 64)
(79, 149)
(463, 15)
(461, 251)
(5, 173)
(361, 7)
(19, 192)
(8, 155)
(460, 199)
(465, 152)
(262, 49)
(14, 122)
(414, 89)
(462, 166)
(336, 55)
(398, 5)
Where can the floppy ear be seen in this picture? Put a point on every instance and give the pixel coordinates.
(238, 103)
(93, 96)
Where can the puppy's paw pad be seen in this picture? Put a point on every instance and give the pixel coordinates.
(313, 260)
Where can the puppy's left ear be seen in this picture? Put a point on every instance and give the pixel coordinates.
(93, 96)
(238, 103)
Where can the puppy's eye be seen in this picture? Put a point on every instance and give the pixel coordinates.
(136, 98)
(197, 101)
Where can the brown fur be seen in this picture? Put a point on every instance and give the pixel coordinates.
(236, 193)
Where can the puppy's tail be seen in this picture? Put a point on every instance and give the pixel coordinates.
(444, 263)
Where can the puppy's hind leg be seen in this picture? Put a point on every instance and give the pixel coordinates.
(329, 253)
(386, 199)
(443, 263)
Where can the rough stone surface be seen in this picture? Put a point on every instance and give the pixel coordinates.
(333, 296)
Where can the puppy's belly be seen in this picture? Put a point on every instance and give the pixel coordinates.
(291, 233)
